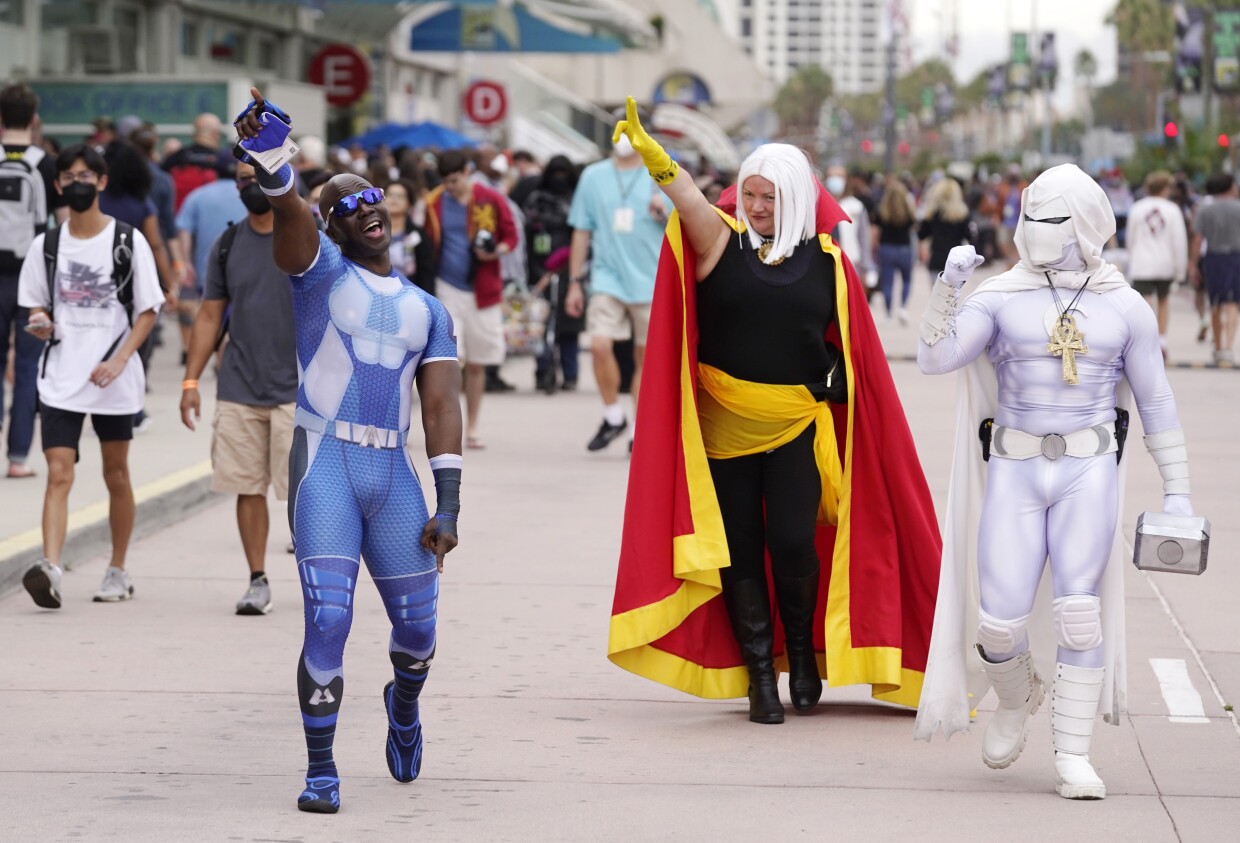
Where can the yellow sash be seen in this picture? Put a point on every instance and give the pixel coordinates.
(739, 418)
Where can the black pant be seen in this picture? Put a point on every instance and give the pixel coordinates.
(770, 501)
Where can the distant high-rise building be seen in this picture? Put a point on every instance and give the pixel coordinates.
(844, 37)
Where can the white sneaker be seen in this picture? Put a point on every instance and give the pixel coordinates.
(42, 580)
(902, 315)
(115, 587)
(257, 599)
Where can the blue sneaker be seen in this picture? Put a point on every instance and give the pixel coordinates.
(321, 796)
(404, 744)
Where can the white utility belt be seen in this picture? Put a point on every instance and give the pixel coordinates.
(1012, 444)
(366, 435)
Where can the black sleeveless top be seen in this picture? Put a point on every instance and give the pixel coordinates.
(766, 324)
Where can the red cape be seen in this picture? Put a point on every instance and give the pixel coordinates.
(880, 565)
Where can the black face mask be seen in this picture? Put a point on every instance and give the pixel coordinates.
(255, 201)
(79, 197)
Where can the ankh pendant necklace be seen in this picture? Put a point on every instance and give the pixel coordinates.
(1067, 340)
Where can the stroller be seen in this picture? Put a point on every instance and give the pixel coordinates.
(548, 362)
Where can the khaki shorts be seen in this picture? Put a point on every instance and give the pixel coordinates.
(609, 317)
(249, 449)
(479, 332)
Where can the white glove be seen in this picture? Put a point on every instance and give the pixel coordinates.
(1177, 505)
(961, 261)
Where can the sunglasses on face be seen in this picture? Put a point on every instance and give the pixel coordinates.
(348, 205)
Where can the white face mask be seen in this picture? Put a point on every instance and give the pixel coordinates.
(1050, 237)
(836, 185)
(624, 147)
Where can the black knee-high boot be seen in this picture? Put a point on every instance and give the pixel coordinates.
(798, 598)
(749, 609)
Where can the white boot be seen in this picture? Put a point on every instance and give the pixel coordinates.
(1020, 693)
(1074, 706)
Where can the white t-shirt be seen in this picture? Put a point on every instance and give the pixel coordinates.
(89, 319)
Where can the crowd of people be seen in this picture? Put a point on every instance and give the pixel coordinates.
(328, 288)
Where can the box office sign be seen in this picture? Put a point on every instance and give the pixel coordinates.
(68, 106)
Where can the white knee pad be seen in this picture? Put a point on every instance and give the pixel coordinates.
(1078, 618)
(999, 637)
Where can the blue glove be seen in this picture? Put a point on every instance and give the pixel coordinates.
(276, 127)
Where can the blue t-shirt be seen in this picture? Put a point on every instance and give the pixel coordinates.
(361, 338)
(614, 206)
(128, 209)
(455, 257)
(205, 214)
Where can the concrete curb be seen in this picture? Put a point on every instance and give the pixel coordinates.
(159, 504)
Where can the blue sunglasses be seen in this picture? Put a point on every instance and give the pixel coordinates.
(348, 205)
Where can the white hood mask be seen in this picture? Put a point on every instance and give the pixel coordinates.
(1065, 221)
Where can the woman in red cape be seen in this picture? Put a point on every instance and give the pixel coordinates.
(855, 567)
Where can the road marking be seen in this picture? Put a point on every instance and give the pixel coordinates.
(1192, 648)
(1183, 701)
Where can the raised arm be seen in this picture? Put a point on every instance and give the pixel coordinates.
(296, 241)
(706, 230)
(951, 337)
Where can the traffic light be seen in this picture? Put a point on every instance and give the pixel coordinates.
(1224, 141)
(1171, 136)
(867, 146)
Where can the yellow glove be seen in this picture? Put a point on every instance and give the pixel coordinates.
(660, 165)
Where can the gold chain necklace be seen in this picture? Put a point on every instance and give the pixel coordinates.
(1067, 340)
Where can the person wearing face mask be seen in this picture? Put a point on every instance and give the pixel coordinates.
(1048, 351)
(617, 218)
(364, 336)
(257, 383)
(769, 426)
(93, 293)
(853, 234)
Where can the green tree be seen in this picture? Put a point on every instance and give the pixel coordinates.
(1144, 27)
(1085, 67)
(799, 102)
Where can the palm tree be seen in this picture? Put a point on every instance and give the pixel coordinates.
(1085, 67)
(1144, 26)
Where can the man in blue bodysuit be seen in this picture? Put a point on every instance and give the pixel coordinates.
(364, 335)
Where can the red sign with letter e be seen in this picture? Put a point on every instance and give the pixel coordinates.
(485, 103)
(343, 73)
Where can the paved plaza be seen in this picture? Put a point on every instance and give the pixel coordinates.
(170, 718)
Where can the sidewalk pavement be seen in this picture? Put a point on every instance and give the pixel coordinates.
(169, 717)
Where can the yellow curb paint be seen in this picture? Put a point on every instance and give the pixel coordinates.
(98, 512)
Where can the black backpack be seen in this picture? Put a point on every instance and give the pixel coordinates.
(122, 273)
(226, 243)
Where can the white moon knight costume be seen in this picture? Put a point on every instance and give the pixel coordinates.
(1048, 351)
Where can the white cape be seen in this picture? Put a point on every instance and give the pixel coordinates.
(955, 682)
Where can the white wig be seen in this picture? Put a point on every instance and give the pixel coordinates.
(796, 196)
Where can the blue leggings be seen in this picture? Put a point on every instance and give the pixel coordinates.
(349, 503)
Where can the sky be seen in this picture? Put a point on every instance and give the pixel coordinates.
(982, 28)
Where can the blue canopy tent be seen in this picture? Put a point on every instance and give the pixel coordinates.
(414, 136)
